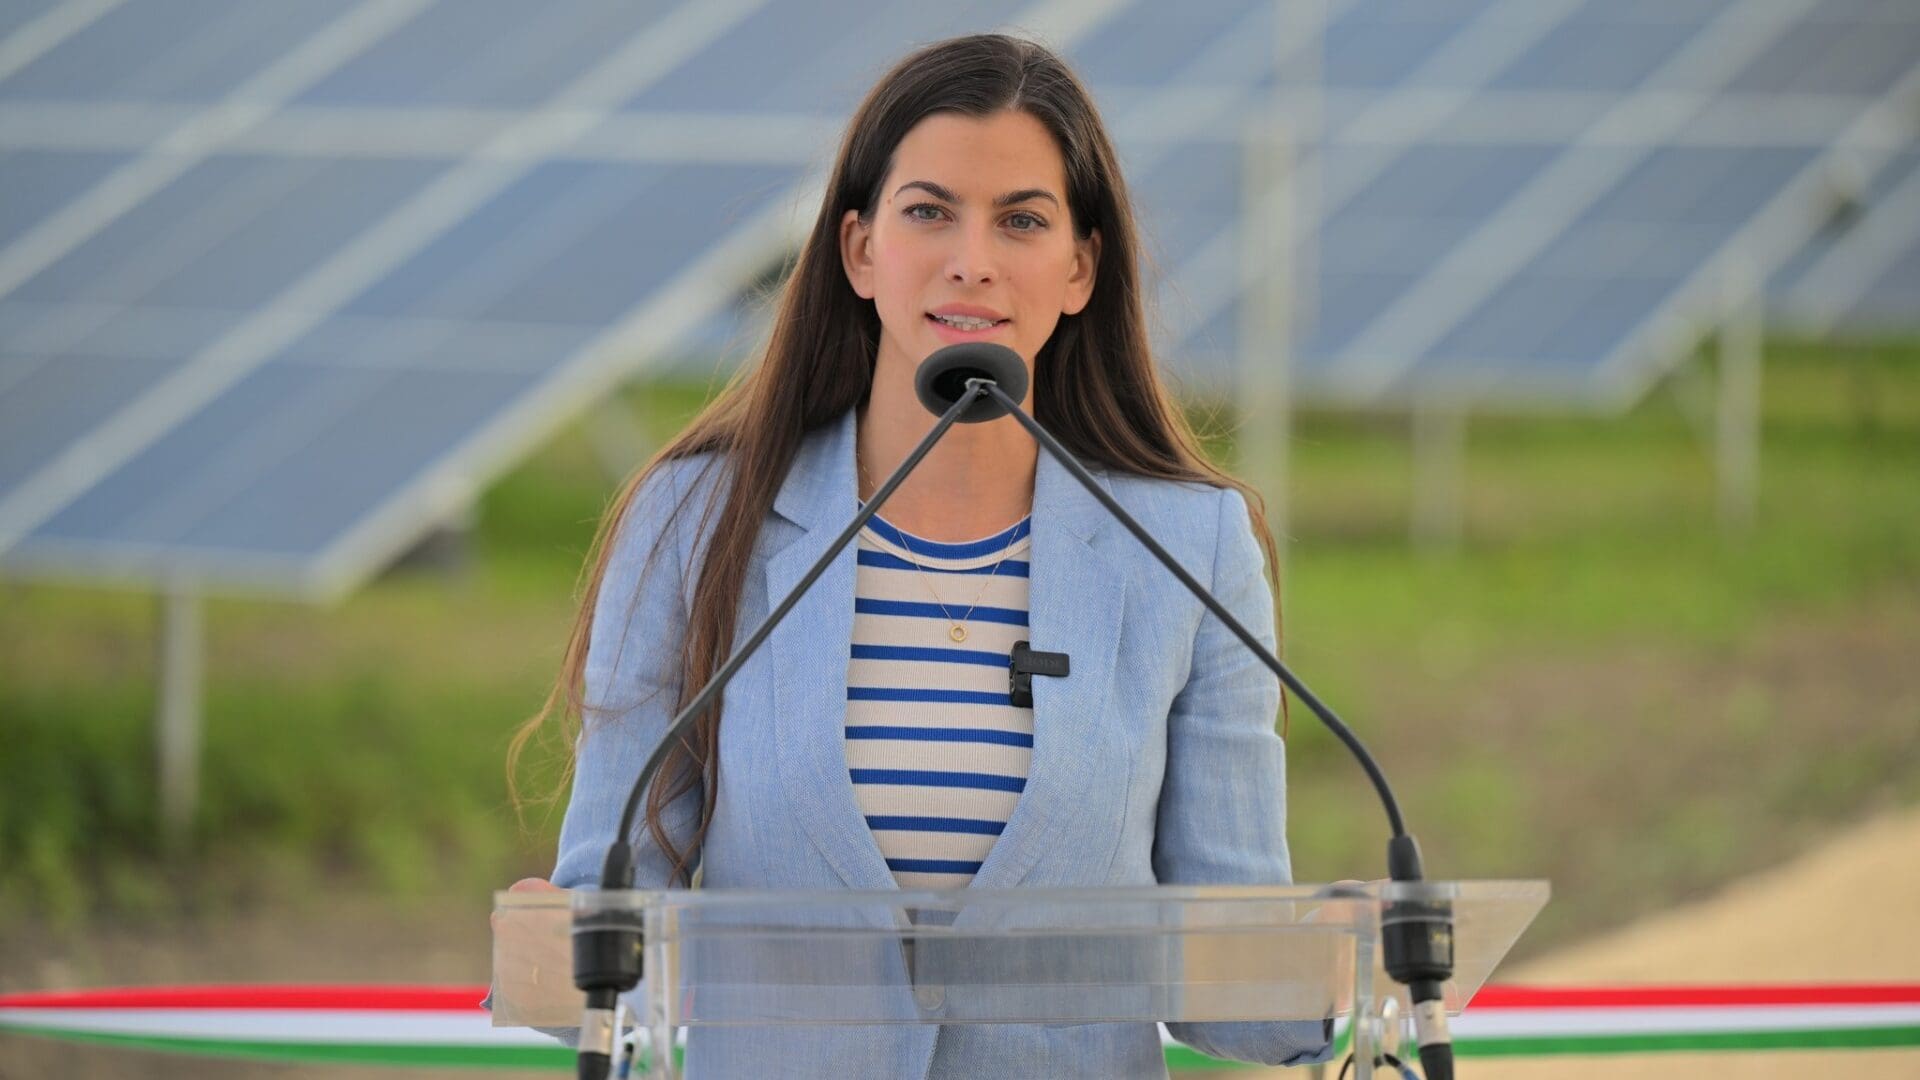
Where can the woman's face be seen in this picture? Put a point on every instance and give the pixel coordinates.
(971, 240)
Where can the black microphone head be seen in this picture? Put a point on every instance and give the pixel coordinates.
(943, 376)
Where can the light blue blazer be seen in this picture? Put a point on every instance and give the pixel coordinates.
(1154, 761)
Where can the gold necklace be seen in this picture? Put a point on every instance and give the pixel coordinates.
(957, 631)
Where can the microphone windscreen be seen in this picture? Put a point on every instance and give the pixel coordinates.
(942, 379)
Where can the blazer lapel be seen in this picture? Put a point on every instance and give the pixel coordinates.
(809, 657)
(1076, 598)
(1075, 602)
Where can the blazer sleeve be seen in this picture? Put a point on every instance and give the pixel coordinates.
(632, 683)
(1222, 814)
(632, 680)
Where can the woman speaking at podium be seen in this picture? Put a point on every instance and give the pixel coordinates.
(873, 742)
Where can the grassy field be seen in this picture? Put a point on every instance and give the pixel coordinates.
(1599, 687)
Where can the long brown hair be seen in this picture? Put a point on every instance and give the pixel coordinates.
(1096, 386)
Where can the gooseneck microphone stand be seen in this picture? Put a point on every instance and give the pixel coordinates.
(1416, 935)
(971, 383)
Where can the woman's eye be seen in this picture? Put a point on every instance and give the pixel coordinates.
(1025, 222)
(934, 212)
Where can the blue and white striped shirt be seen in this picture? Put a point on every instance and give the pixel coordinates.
(937, 751)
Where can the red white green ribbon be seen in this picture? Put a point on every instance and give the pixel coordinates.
(1522, 1020)
(389, 1025)
(445, 1026)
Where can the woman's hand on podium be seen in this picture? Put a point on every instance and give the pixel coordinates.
(533, 961)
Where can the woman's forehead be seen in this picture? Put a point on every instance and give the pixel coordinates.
(980, 158)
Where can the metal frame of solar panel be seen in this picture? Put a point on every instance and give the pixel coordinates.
(275, 299)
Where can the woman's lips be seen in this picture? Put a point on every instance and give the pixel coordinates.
(956, 334)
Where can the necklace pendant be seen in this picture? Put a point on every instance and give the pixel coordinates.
(958, 633)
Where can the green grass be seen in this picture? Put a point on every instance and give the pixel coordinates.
(1600, 686)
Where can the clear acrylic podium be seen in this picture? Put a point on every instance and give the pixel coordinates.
(997, 956)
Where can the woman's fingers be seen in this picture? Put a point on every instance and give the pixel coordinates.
(525, 885)
(533, 958)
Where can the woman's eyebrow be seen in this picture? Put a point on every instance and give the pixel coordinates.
(1024, 194)
(929, 187)
(1008, 199)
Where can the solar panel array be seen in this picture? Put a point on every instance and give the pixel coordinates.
(282, 296)
(280, 287)
(1538, 202)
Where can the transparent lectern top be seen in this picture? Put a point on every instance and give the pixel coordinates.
(1019, 955)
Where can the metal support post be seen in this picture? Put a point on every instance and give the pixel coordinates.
(1362, 1041)
(1737, 416)
(1439, 476)
(1264, 399)
(1277, 186)
(178, 724)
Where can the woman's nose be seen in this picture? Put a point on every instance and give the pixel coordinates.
(972, 261)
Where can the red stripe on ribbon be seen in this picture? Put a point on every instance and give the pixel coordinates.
(239, 996)
(1643, 997)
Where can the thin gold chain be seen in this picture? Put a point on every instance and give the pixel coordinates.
(957, 631)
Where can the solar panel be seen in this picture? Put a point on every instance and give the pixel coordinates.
(483, 54)
(38, 181)
(280, 289)
(22, 13)
(1861, 275)
(182, 51)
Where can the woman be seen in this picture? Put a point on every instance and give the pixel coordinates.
(975, 197)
